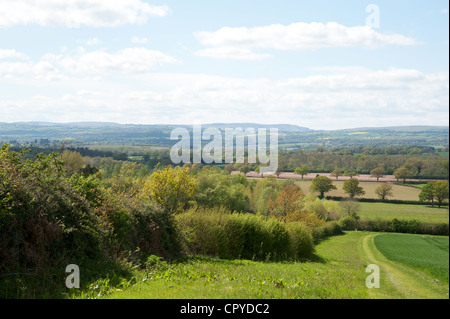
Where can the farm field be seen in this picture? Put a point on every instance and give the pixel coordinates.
(337, 271)
(386, 211)
(425, 253)
(400, 192)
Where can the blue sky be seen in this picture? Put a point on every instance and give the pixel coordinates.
(310, 63)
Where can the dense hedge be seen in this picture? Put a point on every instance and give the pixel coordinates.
(247, 236)
(388, 201)
(395, 226)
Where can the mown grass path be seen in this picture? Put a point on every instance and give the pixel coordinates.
(398, 280)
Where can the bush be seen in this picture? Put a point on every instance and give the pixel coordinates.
(44, 221)
(244, 236)
(329, 229)
(154, 231)
(202, 233)
(301, 240)
(348, 223)
(403, 226)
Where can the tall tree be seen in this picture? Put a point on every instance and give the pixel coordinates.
(384, 190)
(287, 203)
(322, 184)
(336, 173)
(378, 172)
(403, 173)
(170, 188)
(441, 191)
(302, 170)
(352, 188)
(427, 193)
(416, 164)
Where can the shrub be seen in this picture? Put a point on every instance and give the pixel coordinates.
(301, 240)
(153, 231)
(202, 233)
(244, 236)
(348, 223)
(44, 221)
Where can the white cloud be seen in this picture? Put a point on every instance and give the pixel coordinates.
(337, 99)
(93, 41)
(296, 37)
(85, 63)
(139, 40)
(234, 53)
(129, 60)
(76, 13)
(11, 53)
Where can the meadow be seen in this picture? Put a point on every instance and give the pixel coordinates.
(337, 271)
(387, 211)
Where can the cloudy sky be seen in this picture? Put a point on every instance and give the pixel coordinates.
(319, 64)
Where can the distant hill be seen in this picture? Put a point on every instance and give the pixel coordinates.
(410, 128)
(158, 135)
(280, 127)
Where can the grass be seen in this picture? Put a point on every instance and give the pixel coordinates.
(387, 211)
(337, 271)
(400, 280)
(400, 192)
(331, 274)
(420, 186)
(425, 253)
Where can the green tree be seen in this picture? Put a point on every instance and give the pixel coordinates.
(336, 173)
(322, 184)
(229, 168)
(73, 162)
(417, 165)
(384, 190)
(352, 188)
(170, 188)
(302, 170)
(445, 167)
(244, 169)
(403, 173)
(278, 171)
(351, 174)
(378, 172)
(427, 193)
(441, 191)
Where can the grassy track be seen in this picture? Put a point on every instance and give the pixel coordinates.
(425, 253)
(401, 280)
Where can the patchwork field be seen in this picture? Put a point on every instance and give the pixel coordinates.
(400, 192)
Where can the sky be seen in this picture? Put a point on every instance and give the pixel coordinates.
(317, 64)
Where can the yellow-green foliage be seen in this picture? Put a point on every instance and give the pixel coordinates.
(244, 236)
(170, 188)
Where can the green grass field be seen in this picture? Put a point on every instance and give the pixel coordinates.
(333, 274)
(386, 211)
(426, 253)
(400, 192)
(336, 271)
